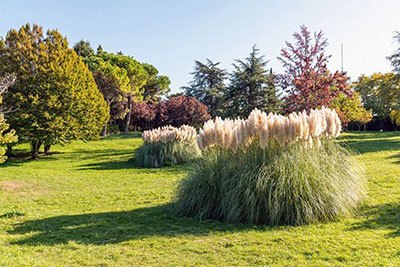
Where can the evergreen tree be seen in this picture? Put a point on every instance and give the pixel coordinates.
(137, 79)
(395, 57)
(83, 49)
(156, 85)
(208, 86)
(55, 98)
(251, 86)
(113, 83)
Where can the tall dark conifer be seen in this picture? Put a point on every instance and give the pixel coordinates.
(208, 85)
(251, 86)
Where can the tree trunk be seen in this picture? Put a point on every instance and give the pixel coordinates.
(365, 129)
(128, 115)
(35, 146)
(104, 131)
(47, 149)
(9, 151)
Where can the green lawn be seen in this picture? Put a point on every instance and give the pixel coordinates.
(87, 205)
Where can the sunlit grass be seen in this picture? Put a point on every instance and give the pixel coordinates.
(88, 205)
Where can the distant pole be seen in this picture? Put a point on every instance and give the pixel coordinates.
(341, 54)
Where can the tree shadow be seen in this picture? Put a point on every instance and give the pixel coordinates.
(21, 156)
(396, 157)
(108, 165)
(372, 145)
(384, 216)
(116, 227)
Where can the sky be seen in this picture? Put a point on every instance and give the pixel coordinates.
(172, 34)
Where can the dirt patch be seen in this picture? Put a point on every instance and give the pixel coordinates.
(13, 186)
(22, 188)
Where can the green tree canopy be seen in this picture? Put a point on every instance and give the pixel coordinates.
(208, 86)
(7, 136)
(351, 108)
(83, 49)
(137, 78)
(251, 86)
(55, 98)
(113, 82)
(379, 92)
(156, 85)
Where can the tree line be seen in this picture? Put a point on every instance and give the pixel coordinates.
(57, 93)
(305, 84)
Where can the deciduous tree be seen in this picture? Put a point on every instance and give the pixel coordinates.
(379, 92)
(180, 110)
(350, 109)
(307, 81)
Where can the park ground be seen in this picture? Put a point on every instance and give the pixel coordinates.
(86, 204)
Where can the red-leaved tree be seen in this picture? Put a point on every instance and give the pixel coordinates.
(175, 111)
(307, 81)
(180, 110)
(143, 115)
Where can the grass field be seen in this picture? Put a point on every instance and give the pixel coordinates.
(87, 205)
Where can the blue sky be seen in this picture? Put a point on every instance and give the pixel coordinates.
(171, 34)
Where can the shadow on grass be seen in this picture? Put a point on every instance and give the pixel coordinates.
(116, 227)
(396, 157)
(385, 216)
(368, 145)
(21, 157)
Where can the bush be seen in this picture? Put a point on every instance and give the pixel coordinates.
(155, 155)
(166, 146)
(176, 111)
(181, 110)
(274, 180)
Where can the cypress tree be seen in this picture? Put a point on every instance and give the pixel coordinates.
(55, 97)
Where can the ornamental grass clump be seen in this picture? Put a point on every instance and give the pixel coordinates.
(167, 145)
(272, 169)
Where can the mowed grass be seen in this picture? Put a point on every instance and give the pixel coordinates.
(87, 204)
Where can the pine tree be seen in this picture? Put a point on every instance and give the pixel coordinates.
(251, 86)
(156, 85)
(55, 98)
(113, 83)
(83, 49)
(137, 78)
(208, 86)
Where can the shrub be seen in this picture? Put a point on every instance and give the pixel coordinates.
(272, 170)
(176, 111)
(167, 145)
(181, 110)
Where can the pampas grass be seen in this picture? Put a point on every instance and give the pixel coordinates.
(167, 146)
(273, 170)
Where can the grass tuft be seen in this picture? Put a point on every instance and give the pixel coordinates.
(158, 154)
(276, 186)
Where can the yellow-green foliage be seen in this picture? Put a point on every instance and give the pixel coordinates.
(55, 98)
(395, 116)
(6, 137)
